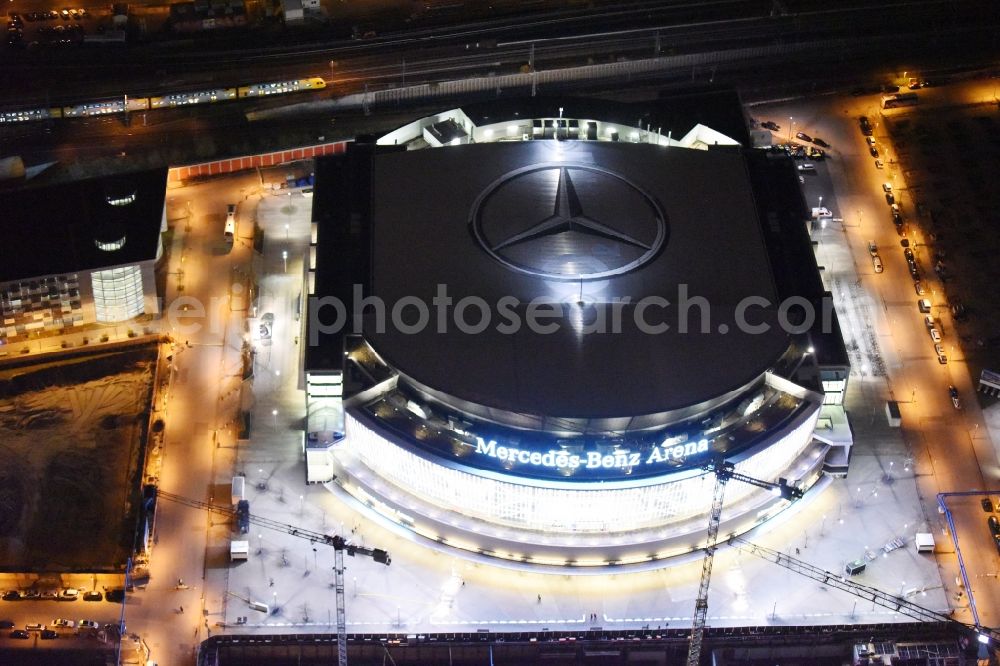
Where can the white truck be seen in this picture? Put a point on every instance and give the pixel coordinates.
(239, 551)
(239, 488)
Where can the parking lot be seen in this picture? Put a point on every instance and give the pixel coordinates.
(54, 27)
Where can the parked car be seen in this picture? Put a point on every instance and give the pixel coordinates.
(924, 305)
(929, 321)
(955, 400)
(773, 126)
(934, 333)
(994, 525)
(48, 634)
(92, 595)
(872, 151)
(889, 198)
(11, 595)
(20, 634)
(919, 288)
(69, 594)
(89, 624)
(987, 504)
(802, 136)
(60, 622)
(887, 187)
(878, 164)
(941, 356)
(807, 167)
(877, 263)
(6, 624)
(872, 248)
(820, 142)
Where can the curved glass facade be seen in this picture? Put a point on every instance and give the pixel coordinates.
(118, 293)
(589, 508)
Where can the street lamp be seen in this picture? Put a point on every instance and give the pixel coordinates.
(284, 259)
(274, 414)
(790, 123)
(286, 232)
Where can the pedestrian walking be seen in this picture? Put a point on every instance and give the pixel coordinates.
(539, 598)
(182, 609)
(271, 584)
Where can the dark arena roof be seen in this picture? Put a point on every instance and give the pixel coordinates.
(47, 232)
(552, 221)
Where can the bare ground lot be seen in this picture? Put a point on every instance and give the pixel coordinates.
(72, 431)
(949, 158)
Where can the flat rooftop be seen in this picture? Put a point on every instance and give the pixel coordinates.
(51, 230)
(554, 221)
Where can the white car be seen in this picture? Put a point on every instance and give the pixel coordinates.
(69, 624)
(807, 167)
(69, 594)
(935, 334)
(878, 164)
(88, 625)
(872, 248)
(887, 187)
(877, 263)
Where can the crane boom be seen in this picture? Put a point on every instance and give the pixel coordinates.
(701, 603)
(840, 582)
(724, 471)
(338, 543)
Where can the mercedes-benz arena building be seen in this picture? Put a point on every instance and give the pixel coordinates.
(531, 327)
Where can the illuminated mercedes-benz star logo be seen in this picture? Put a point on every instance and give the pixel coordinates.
(568, 222)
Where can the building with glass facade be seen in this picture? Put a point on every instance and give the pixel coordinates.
(532, 326)
(80, 253)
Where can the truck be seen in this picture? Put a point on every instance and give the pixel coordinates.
(243, 516)
(892, 413)
(239, 488)
(239, 550)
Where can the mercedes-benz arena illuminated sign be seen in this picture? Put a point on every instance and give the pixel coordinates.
(735, 426)
(625, 460)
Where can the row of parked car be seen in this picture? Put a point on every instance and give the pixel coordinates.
(46, 632)
(68, 594)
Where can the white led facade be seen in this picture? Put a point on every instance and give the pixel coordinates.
(564, 509)
(118, 293)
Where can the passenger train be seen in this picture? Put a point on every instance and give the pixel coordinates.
(127, 103)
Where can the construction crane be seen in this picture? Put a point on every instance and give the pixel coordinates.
(841, 582)
(724, 471)
(338, 543)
